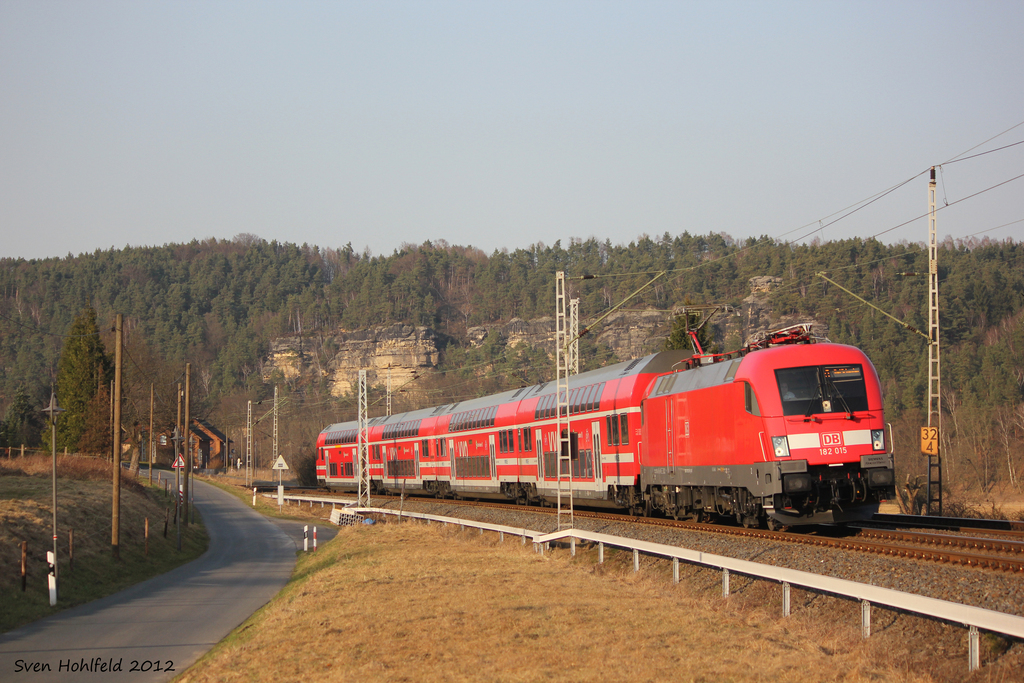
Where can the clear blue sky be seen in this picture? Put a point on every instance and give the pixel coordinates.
(500, 124)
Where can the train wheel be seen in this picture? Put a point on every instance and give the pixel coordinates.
(773, 524)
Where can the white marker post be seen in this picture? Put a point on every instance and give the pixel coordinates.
(314, 539)
(280, 465)
(254, 496)
(305, 538)
(51, 578)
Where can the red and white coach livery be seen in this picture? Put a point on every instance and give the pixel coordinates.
(786, 431)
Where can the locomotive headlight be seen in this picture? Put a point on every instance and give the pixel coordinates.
(878, 439)
(796, 483)
(881, 478)
(781, 446)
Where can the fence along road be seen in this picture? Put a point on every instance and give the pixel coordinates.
(176, 617)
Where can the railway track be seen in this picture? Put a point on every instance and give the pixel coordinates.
(1003, 553)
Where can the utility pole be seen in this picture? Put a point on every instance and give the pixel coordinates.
(934, 392)
(177, 470)
(177, 474)
(248, 444)
(115, 514)
(389, 390)
(151, 434)
(188, 440)
(111, 419)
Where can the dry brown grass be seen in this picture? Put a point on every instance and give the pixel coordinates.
(83, 504)
(76, 467)
(428, 603)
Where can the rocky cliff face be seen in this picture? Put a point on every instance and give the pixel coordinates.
(403, 350)
(406, 350)
(629, 334)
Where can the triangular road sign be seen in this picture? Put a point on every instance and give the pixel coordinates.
(280, 464)
(179, 463)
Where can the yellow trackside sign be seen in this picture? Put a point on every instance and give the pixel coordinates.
(930, 440)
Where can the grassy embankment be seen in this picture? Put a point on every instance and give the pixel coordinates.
(409, 602)
(84, 505)
(268, 506)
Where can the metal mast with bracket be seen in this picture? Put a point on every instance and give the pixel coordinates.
(363, 466)
(934, 386)
(563, 357)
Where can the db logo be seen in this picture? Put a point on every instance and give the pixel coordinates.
(833, 439)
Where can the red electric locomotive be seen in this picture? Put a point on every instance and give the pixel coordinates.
(784, 432)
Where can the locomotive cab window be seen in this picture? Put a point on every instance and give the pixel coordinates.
(750, 400)
(822, 389)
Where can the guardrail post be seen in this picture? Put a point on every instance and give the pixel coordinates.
(600, 553)
(785, 598)
(572, 546)
(501, 536)
(675, 570)
(636, 561)
(725, 583)
(865, 619)
(974, 650)
(524, 539)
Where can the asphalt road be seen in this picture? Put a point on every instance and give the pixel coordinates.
(171, 619)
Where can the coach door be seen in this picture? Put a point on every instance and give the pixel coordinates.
(494, 465)
(670, 443)
(539, 437)
(595, 437)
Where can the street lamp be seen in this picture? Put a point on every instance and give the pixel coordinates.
(52, 411)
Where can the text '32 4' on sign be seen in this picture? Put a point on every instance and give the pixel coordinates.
(930, 440)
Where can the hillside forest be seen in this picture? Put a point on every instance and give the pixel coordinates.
(219, 303)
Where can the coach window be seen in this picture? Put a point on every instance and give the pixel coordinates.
(612, 422)
(624, 430)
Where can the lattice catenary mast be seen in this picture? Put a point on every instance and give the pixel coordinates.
(363, 466)
(934, 366)
(565, 360)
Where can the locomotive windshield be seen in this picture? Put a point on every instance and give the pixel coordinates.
(822, 389)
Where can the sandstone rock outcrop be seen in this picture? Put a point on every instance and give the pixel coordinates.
(407, 350)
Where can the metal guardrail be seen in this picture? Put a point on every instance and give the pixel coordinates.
(974, 618)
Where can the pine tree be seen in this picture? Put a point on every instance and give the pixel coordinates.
(82, 368)
(22, 422)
